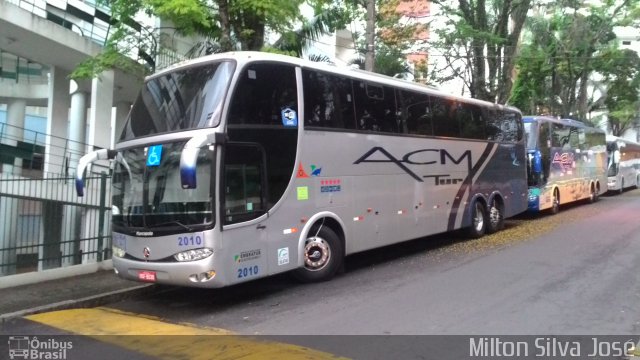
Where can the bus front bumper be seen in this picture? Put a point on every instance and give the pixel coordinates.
(200, 273)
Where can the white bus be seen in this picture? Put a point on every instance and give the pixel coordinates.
(241, 165)
(567, 161)
(624, 164)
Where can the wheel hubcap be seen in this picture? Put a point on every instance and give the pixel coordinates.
(478, 220)
(317, 254)
(494, 215)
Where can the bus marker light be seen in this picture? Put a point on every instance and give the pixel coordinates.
(369, 210)
(358, 218)
(290, 231)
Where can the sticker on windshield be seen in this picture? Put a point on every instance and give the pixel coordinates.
(154, 155)
(289, 117)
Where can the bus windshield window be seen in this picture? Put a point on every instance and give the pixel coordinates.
(151, 196)
(180, 100)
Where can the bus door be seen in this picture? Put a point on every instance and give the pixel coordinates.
(244, 197)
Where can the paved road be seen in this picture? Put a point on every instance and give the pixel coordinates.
(573, 273)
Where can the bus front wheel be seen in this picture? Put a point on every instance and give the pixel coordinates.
(323, 256)
(478, 220)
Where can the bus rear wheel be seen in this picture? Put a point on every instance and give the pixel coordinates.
(478, 220)
(496, 216)
(323, 256)
(555, 206)
(593, 196)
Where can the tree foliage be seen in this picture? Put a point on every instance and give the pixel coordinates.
(478, 45)
(223, 25)
(565, 48)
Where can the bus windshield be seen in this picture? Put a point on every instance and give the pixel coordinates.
(185, 99)
(148, 196)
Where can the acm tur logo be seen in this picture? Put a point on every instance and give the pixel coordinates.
(438, 157)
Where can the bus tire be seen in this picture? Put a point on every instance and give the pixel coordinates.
(478, 220)
(555, 206)
(495, 221)
(621, 190)
(323, 256)
(593, 197)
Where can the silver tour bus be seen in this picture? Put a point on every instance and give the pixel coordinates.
(242, 165)
(624, 164)
(567, 161)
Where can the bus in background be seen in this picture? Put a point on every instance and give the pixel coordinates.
(566, 161)
(624, 164)
(241, 165)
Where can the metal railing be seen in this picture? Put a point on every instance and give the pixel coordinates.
(46, 226)
(43, 223)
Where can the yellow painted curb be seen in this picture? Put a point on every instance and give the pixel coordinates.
(151, 336)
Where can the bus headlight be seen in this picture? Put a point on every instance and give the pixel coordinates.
(117, 251)
(193, 254)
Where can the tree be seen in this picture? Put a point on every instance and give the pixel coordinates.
(621, 73)
(478, 44)
(223, 25)
(559, 57)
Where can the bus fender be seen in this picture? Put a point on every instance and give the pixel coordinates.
(307, 228)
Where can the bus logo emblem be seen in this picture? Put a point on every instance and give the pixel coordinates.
(146, 252)
(154, 155)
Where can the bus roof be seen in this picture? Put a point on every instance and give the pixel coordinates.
(548, 118)
(244, 57)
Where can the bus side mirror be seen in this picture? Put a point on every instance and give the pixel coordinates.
(189, 157)
(102, 154)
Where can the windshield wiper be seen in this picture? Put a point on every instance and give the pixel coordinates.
(175, 222)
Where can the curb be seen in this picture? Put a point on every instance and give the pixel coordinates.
(89, 301)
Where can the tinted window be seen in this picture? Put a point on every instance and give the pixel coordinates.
(445, 122)
(471, 121)
(265, 92)
(180, 100)
(328, 101)
(416, 114)
(375, 107)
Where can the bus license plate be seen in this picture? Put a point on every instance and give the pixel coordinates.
(144, 275)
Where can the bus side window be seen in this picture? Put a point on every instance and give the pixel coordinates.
(471, 121)
(244, 190)
(445, 121)
(264, 90)
(375, 107)
(416, 112)
(328, 100)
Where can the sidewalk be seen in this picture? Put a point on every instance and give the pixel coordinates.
(88, 290)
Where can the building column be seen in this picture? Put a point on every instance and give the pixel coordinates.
(14, 131)
(100, 112)
(9, 206)
(72, 213)
(77, 128)
(55, 166)
(100, 116)
(120, 114)
(57, 120)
